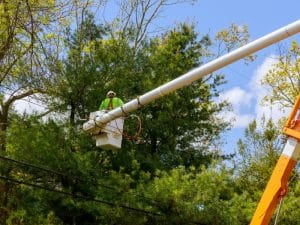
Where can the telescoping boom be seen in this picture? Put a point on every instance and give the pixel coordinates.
(277, 185)
(202, 71)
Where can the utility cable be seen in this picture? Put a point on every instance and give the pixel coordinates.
(278, 211)
(80, 196)
(94, 182)
(76, 195)
(86, 198)
(26, 164)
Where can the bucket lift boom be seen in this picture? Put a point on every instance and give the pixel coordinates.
(277, 185)
(200, 72)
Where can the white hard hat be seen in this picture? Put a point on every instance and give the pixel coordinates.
(111, 93)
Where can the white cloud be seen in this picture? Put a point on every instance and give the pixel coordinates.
(246, 102)
(243, 120)
(261, 71)
(239, 99)
(238, 119)
(273, 111)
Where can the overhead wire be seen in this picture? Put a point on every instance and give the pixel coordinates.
(86, 198)
(62, 174)
(78, 196)
(40, 168)
(94, 182)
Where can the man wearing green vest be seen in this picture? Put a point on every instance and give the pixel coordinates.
(110, 102)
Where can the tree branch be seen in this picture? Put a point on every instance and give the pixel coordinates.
(14, 98)
(13, 63)
(11, 32)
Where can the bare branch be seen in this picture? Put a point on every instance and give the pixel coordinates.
(45, 113)
(14, 98)
(8, 69)
(11, 32)
(143, 31)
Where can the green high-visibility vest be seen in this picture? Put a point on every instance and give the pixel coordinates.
(110, 103)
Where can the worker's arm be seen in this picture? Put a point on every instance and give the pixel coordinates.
(104, 104)
(117, 102)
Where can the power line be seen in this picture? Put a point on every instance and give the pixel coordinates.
(26, 164)
(85, 198)
(94, 182)
(80, 196)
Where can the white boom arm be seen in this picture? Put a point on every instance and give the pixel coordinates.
(196, 74)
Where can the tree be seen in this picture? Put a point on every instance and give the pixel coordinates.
(24, 25)
(179, 128)
(179, 131)
(258, 153)
(137, 18)
(97, 63)
(30, 31)
(79, 76)
(284, 77)
(51, 162)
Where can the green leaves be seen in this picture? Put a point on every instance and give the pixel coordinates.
(259, 151)
(168, 176)
(283, 78)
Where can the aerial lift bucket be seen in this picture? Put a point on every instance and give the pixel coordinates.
(108, 136)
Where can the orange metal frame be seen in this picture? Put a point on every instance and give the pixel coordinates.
(277, 185)
(275, 189)
(290, 128)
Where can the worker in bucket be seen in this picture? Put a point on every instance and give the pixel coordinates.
(110, 102)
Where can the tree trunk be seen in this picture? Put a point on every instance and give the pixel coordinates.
(5, 186)
(72, 113)
(153, 145)
(5, 189)
(3, 128)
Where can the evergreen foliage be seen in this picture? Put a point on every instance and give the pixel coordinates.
(51, 172)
